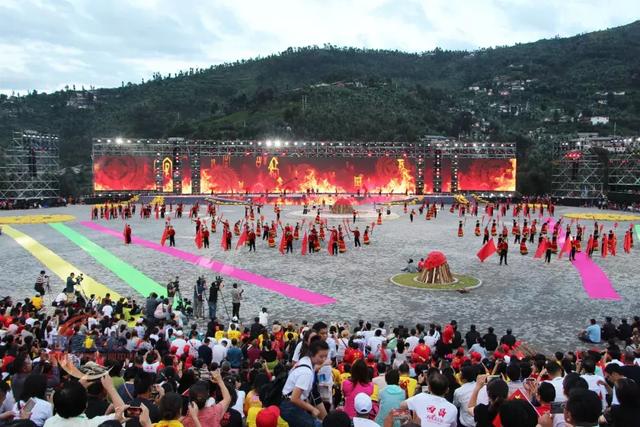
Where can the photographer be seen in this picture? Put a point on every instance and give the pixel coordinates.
(198, 297)
(173, 288)
(70, 288)
(216, 286)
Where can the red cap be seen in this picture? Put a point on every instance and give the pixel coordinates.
(268, 417)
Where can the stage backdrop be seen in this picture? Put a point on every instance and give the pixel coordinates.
(123, 173)
(487, 174)
(258, 174)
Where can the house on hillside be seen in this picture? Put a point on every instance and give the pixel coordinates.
(599, 120)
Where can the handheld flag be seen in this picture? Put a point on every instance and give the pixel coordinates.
(487, 250)
(305, 243)
(165, 233)
(242, 239)
(542, 248)
(566, 248)
(198, 239)
(283, 243)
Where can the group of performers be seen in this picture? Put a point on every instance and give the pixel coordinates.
(548, 241)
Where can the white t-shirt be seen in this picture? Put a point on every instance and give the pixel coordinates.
(179, 343)
(375, 343)
(413, 342)
(81, 421)
(151, 368)
(41, 411)
(600, 390)
(263, 319)
(240, 402)
(218, 353)
(363, 422)
(301, 378)
(107, 310)
(333, 348)
(461, 398)
(296, 352)
(557, 383)
(433, 410)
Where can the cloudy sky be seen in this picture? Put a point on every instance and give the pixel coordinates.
(45, 45)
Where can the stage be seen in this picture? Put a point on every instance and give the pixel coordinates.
(545, 304)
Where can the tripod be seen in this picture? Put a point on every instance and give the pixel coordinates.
(224, 304)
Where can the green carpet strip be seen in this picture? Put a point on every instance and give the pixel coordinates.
(130, 275)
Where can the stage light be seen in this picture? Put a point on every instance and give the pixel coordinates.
(268, 143)
(108, 140)
(119, 141)
(98, 140)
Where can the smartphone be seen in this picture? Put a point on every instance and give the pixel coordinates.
(425, 389)
(557, 408)
(492, 377)
(529, 380)
(400, 414)
(132, 412)
(28, 407)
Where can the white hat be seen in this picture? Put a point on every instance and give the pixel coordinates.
(235, 318)
(179, 333)
(362, 403)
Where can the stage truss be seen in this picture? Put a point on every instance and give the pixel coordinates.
(436, 148)
(592, 167)
(30, 166)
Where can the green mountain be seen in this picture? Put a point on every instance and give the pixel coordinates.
(528, 93)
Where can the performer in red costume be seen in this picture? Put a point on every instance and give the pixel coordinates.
(460, 229)
(476, 230)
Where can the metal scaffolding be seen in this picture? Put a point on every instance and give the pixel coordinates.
(593, 167)
(30, 167)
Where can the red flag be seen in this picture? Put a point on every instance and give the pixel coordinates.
(242, 239)
(542, 248)
(124, 233)
(566, 248)
(198, 239)
(518, 395)
(223, 242)
(487, 250)
(283, 243)
(165, 233)
(305, 243)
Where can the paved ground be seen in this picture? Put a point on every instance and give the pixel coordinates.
(544, 304)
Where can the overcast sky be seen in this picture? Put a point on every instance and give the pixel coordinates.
(45, 45)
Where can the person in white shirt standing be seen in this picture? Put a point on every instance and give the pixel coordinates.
(594, 381)
(462, 395)
(432, 408)
(263, 317)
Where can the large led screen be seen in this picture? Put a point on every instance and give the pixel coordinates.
(123, 173)
(257, 174)
(487, 174)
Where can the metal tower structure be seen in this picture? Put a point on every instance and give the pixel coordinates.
(592, 167)
(30, 167)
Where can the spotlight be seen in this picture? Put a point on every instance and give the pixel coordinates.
(268, 143)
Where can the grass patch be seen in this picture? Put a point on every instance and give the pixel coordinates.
(407, 279)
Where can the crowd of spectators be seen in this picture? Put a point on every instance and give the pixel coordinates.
(91, 361)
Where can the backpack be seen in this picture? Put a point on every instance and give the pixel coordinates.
(271, 393)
